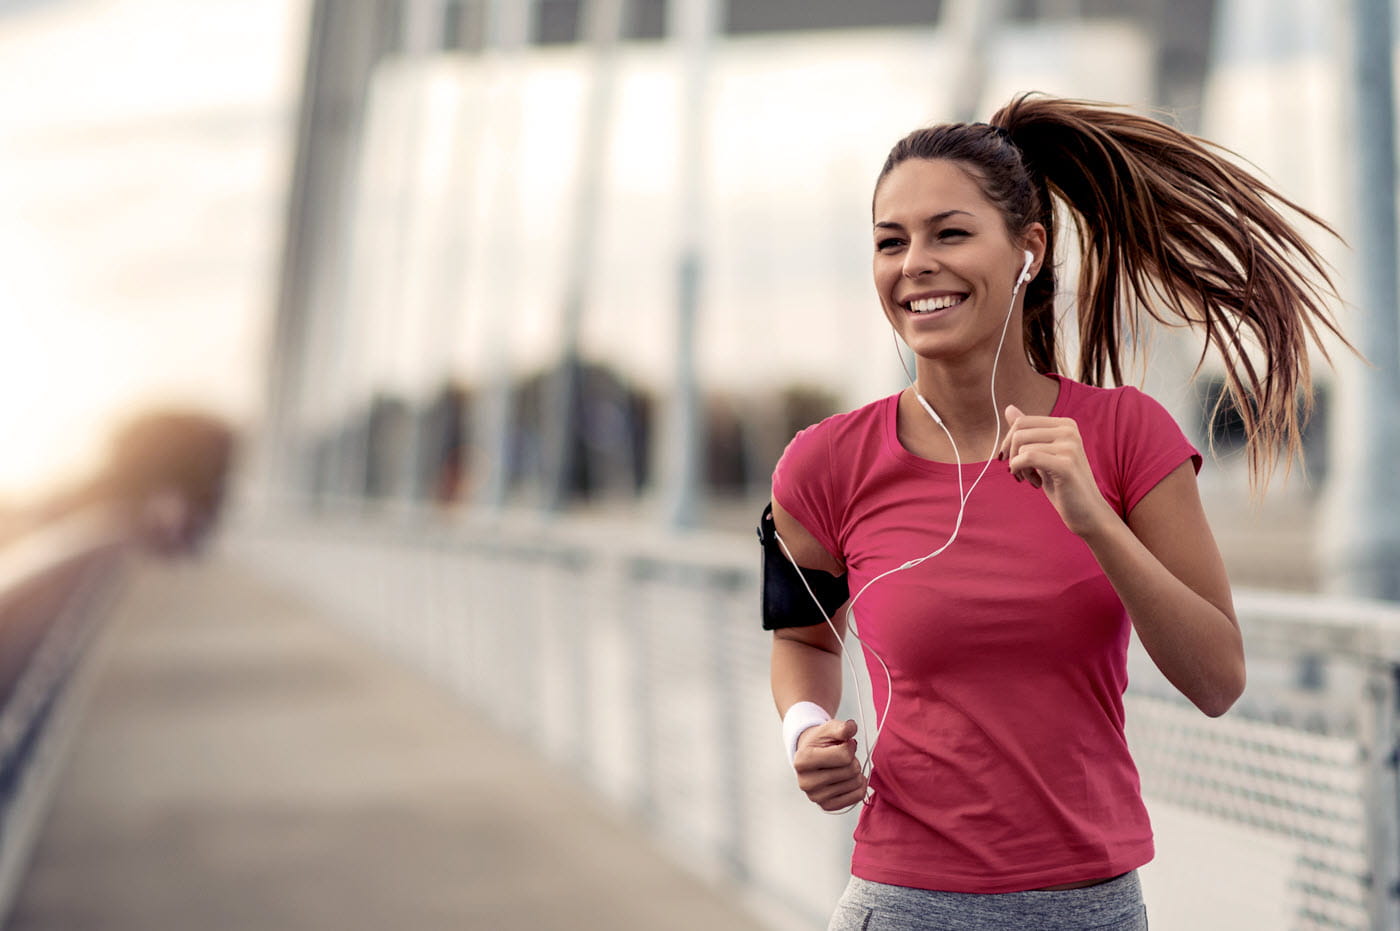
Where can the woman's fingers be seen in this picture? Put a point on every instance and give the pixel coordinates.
(1048, 453)
(826, 765)
(1034, 450)
(844, 799)
(834, 789)
(1013, 415)
(1023, 429)
(1034, 461)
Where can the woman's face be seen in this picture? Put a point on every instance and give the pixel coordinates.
(945, 265)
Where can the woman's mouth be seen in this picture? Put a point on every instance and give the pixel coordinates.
(929, 305)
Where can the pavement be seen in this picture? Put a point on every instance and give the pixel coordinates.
(244, 764)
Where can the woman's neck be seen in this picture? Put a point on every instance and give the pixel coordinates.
(962, 398)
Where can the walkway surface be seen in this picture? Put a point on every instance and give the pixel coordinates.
(243, 765)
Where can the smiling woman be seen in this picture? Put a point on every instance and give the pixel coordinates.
(945, 278)
(1002, 593)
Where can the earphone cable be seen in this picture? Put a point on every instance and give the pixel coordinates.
(963, 496)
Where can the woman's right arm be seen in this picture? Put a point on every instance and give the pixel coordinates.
(806, 666)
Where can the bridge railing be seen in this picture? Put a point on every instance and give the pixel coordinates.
(56, 585)
(633, 659)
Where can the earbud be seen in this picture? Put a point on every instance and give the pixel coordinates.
(1026, 269)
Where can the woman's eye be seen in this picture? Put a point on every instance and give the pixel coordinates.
(952, 233)
(885, 245)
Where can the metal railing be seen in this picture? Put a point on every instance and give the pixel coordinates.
(634, 658)
(56, 585)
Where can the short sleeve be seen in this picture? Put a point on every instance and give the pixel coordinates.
(802, 486)
(1149, 446)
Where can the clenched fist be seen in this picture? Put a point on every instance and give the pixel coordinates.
(826, 765)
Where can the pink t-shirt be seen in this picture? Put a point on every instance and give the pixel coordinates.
(1002, 765)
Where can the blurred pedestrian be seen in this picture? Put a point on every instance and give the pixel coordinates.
(1013, 525)
(160, 485)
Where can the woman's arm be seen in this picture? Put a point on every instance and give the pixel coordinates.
(1166, 568)
(806, 662)
(1163, 562)
(806, 666)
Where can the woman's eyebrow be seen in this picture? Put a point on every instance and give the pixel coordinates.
(936, 218)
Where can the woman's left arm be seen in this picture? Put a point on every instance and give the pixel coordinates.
(1166, 568)
(1163, 561)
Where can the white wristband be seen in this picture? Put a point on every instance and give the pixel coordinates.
(799, 717)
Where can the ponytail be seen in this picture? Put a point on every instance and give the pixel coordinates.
(1171, 229)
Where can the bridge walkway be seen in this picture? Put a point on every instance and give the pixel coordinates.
(244, 764)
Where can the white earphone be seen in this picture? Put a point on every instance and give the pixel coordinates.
(1025, 269)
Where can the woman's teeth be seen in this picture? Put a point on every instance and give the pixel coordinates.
(935, 303)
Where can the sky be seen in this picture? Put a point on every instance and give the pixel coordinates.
(144, 155)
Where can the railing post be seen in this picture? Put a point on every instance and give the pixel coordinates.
(723, 673)
(1380, 735)
(1361, 541)
(643, 689)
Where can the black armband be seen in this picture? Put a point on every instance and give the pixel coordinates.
(786, 602)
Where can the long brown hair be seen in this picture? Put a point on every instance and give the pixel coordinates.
(1169, 229)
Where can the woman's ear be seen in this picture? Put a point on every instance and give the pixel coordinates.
(1034, 242)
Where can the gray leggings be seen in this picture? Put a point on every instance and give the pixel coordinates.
(1115, 905)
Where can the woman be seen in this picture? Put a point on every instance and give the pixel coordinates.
(1000, 793)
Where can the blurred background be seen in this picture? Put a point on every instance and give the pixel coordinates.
(475, 328)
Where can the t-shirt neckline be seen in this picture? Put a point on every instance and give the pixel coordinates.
(891, 418)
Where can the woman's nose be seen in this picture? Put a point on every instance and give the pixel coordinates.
(918, 262)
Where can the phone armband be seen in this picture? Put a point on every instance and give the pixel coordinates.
(786, 602)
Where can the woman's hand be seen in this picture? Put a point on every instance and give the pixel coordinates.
(826, 765)
(1048, 452)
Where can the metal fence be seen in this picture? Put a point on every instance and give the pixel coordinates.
(633, 658)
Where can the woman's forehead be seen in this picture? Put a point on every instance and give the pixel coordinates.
(926, 187)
